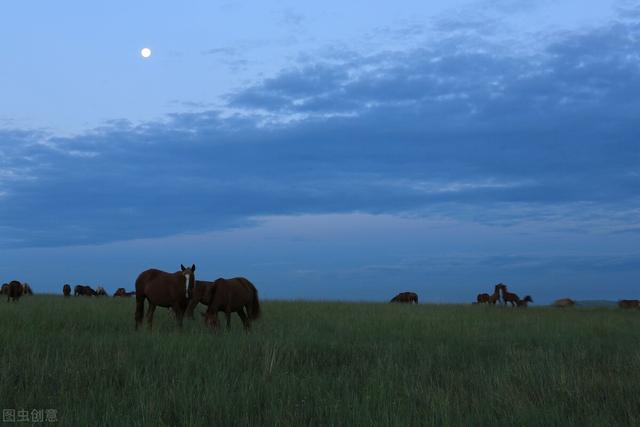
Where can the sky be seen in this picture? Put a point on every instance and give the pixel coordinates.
(325, 151)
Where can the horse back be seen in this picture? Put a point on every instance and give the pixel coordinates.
(232, 293)
(160, 287)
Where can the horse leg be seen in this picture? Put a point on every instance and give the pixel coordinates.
(245, 319)
(179, 312)
(212, 319)
(139, 310)
(227, 314)
(150, 311)
(193, 302)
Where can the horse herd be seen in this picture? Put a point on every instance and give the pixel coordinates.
(14, 290)
(501, 294)
(180, 292)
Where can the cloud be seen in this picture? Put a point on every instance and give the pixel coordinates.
(447, 127)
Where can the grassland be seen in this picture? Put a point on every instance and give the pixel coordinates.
(313, 363)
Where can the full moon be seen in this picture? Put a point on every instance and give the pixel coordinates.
(145, 52)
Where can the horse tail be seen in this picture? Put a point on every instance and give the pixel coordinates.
(255, 302)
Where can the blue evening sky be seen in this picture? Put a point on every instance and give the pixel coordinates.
(334, 150)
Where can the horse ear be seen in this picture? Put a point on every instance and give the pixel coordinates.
(193, 267)
(182, 267)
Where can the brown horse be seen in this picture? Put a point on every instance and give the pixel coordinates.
(490, 299)
(201, 293)
(563, 302)
(66, 290)
(26, 289)
(524, 302)
(233, 295)
(121, 292)
(82, 290)
(15, 291)
(495, 297)
(508, 296)
(629, 303)
(165, 290)
(483, 298)
(5, 289)
(405, 297)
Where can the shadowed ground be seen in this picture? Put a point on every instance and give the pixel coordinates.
(314, 363)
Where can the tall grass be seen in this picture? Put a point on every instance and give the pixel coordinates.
(323, 364)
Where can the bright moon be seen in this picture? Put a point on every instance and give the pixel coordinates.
(145, 52)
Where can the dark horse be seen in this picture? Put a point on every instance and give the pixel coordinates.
(564, 302)
(66, 290)
(405, 297)
(233, 295)
(121, 292)
(163, 289)
(490, 299)
(629, 303)
(14, 290)
(5, 289)
(26, 289)
(201, 293)
(508, 296)
(84, 290)
(524, 302)
(483, 298)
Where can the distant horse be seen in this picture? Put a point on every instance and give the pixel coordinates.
(405, 297)
(165, 290)
(121, 292)
(26, 289)
(66, 290)
(563, 303)
(483, 298)
(629, 303)
(495, 297)
(101, 292)
(81, 290)
(201, 292)
(5, 289)
(14, 291)
(508, 296)
(524, 302)
(233, 295)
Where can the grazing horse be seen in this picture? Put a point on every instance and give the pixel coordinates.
(101, 292)
(121, 292)
(66, 290)
(233, 295)
(5, 289)
(165, 290)
(84, 290)
(564, 302)
(405, 297)
(26, 289)
(524, 302)
(14, 291)
(490, 299)
(629, 303)
(483, 298)
(201, 293)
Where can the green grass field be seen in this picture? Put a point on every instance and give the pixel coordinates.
(315, 363)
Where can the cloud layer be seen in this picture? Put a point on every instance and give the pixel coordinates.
(450, 127)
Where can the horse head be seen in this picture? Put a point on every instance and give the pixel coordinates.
(189, 274)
